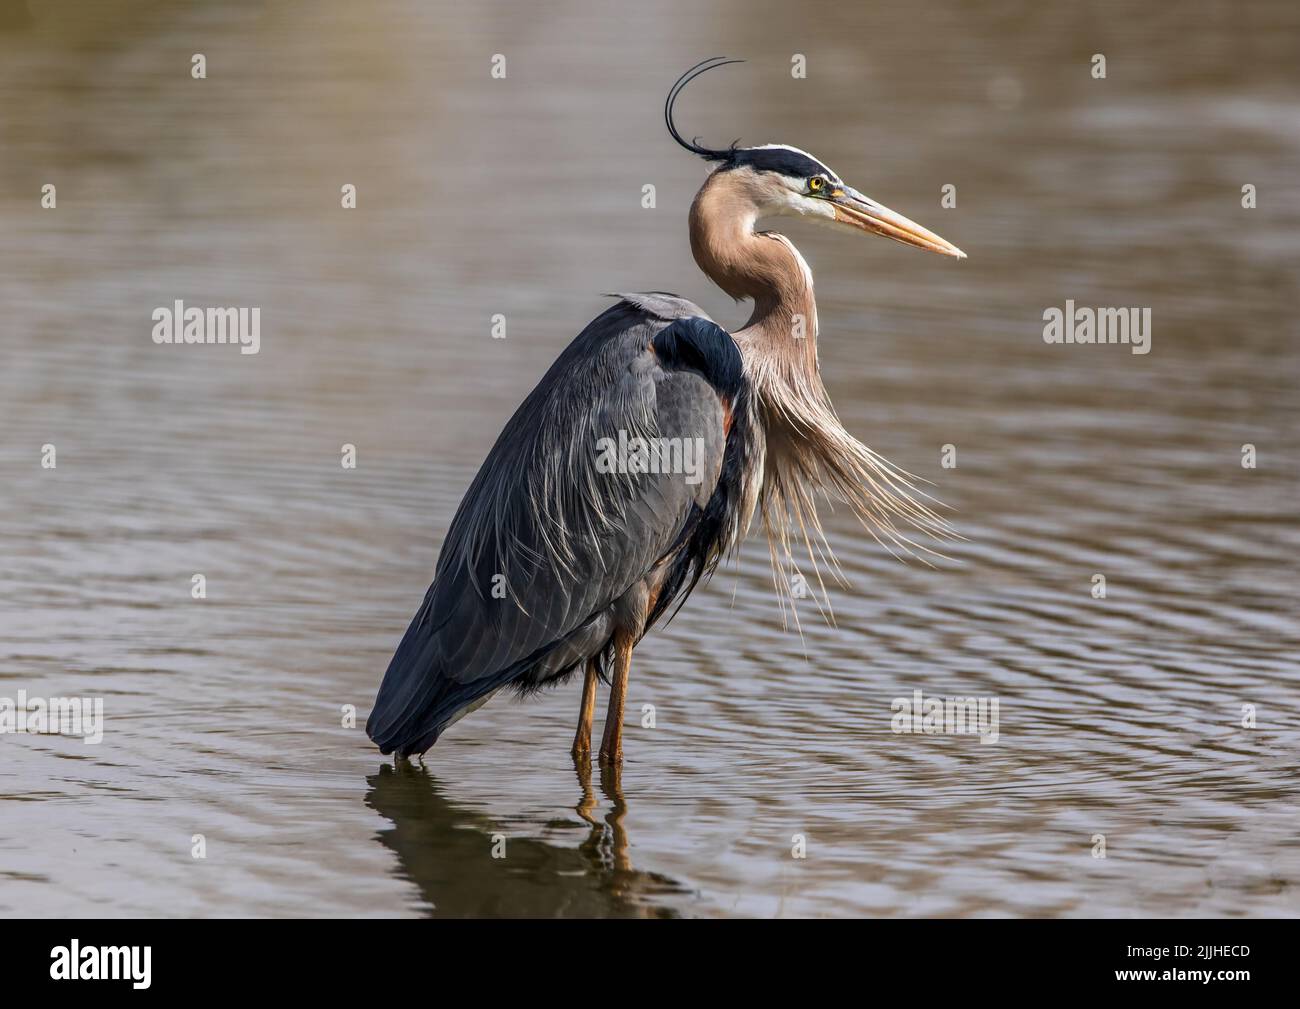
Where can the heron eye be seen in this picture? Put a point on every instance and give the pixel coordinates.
(816, 183)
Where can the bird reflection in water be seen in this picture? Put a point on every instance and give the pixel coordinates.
(446, 850)
(607, 843)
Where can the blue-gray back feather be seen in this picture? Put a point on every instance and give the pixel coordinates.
(556, 538)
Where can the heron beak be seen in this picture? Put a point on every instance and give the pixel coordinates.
(857, 211)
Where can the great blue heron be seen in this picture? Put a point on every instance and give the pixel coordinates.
(564, 553)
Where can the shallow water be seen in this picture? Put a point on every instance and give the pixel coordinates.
(1118, 716)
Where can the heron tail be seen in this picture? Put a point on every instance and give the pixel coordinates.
(417, 699)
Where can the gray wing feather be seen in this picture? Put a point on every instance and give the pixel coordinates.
(543, 541)
(662, 305)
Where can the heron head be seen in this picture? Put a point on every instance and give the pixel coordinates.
(785, 181)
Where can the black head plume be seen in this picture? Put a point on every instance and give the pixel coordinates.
(707, 153)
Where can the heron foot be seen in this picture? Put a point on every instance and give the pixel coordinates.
(614, 757)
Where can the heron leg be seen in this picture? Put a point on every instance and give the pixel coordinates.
(582, 738)
(611, 746)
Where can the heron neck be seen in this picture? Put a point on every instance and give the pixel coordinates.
(762, 266)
